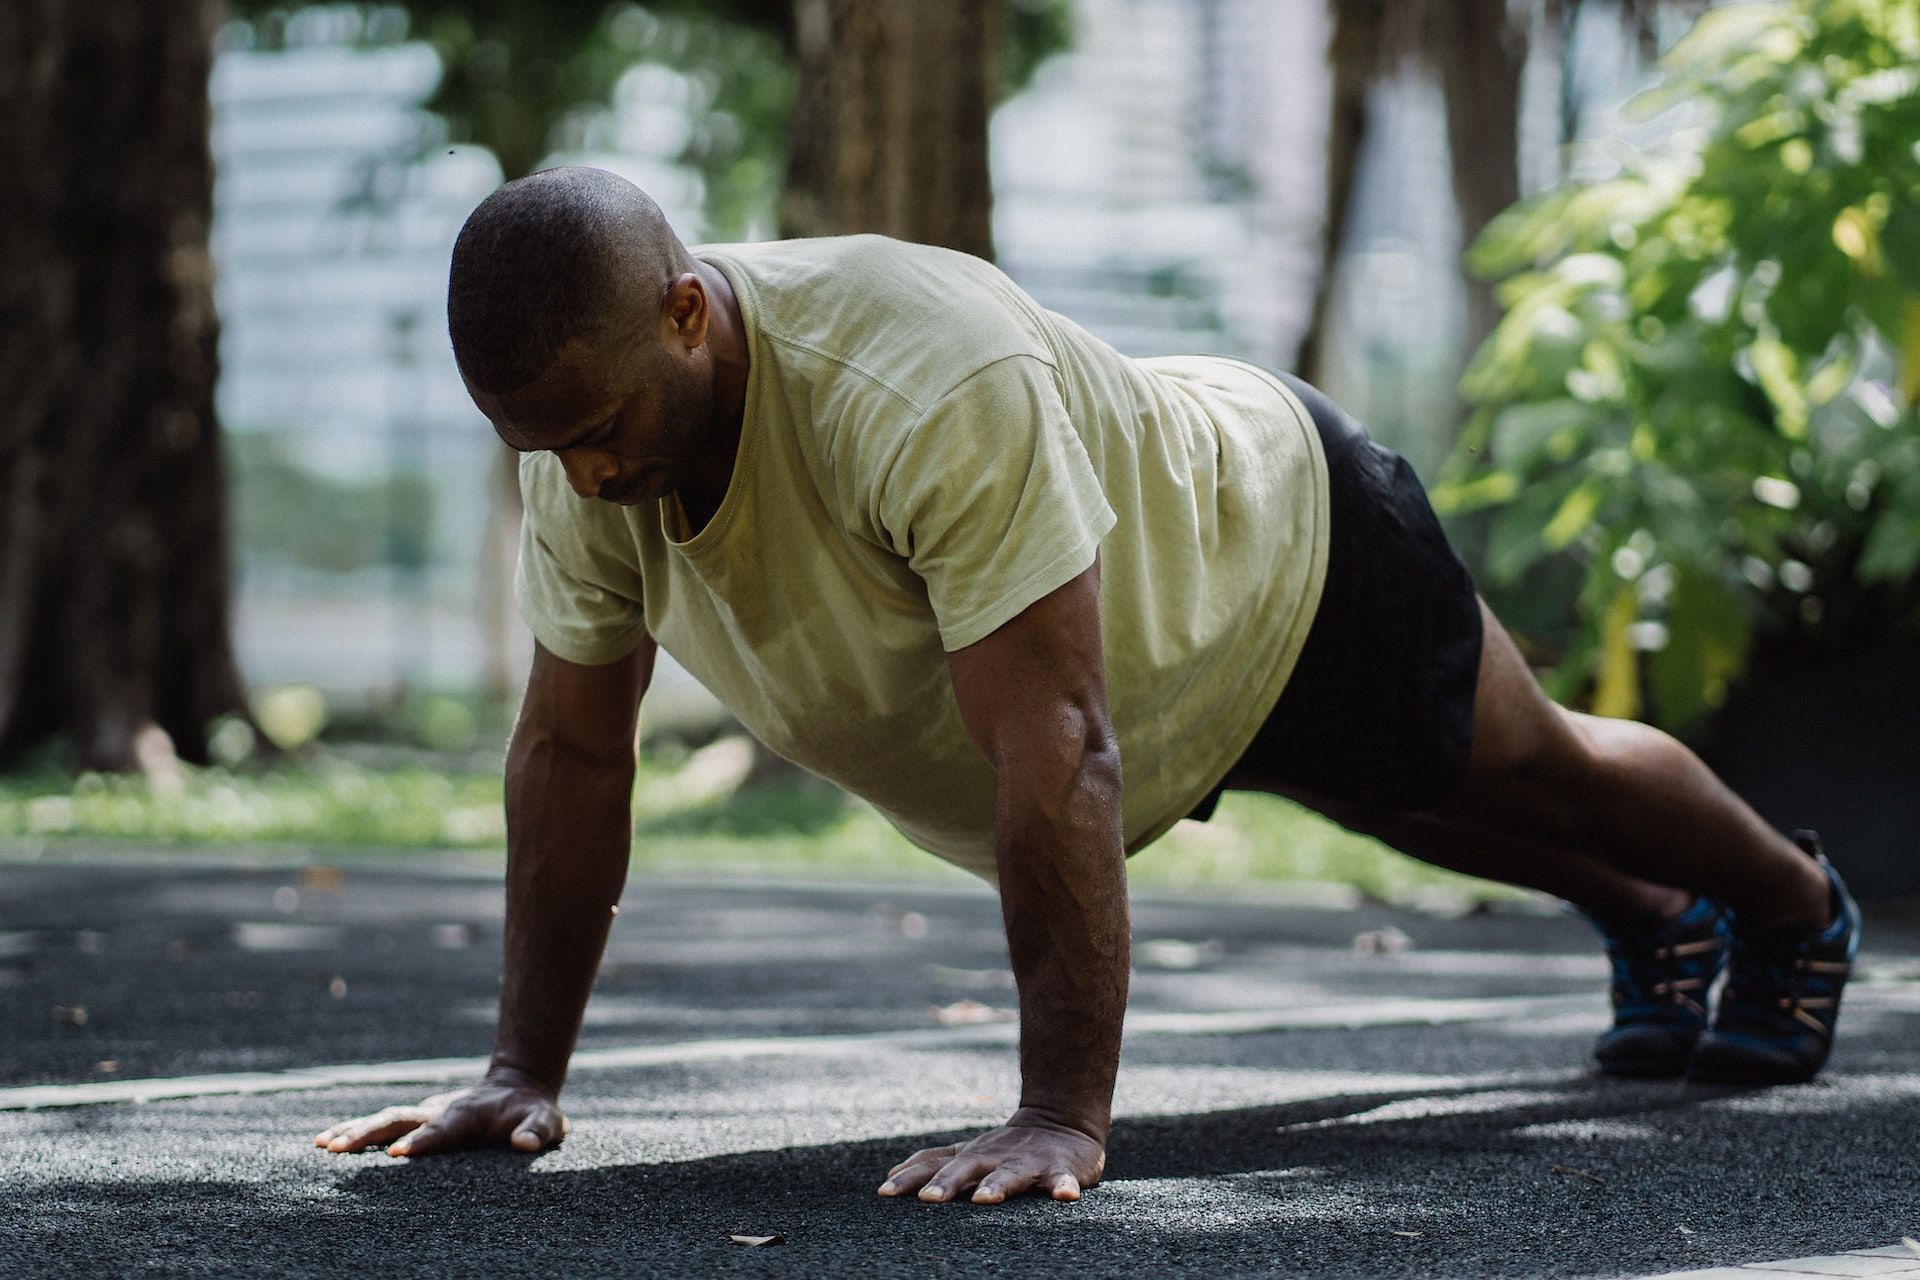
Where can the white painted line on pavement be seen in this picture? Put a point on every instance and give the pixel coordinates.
(1895, 1262)
(1355, 1016)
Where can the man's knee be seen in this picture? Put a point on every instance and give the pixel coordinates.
(1629, 747)
(1540, 778)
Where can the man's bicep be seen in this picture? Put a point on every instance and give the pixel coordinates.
(592, 708)
(1038, 681)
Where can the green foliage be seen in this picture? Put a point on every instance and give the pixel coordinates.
(1036, 30)
(742, 85)
(290, 514)
(516, 76)
(332, 803)
(1704, 390)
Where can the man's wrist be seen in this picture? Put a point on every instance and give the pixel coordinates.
(503, 1070)
(1083, 1121)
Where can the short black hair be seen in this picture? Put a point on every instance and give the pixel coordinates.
(556, 256)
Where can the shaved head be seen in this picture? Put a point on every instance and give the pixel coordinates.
(560, 257)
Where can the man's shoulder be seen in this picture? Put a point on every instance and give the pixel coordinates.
(814, 259)
(911, 319)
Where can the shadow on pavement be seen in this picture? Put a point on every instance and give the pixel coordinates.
(1534, 1178)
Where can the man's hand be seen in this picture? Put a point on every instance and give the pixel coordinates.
(507, 1108)
(1025, 1154)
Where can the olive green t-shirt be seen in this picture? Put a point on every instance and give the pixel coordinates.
(926, 451)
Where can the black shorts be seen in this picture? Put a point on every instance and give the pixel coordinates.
(1379, 710)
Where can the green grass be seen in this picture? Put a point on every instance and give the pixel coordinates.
(691, 817)
(333, 802)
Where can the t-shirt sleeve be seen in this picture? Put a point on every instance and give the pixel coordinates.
(578, 593)
(992, 499)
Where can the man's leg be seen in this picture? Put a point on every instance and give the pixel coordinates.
(1622, 794)
(1613, 816)
(1411, 709)
(1591, 885)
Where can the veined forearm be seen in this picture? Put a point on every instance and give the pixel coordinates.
(1063, 891)
(569, 825)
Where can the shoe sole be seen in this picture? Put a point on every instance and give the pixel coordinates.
(1750, 1078)
(1642, 1069)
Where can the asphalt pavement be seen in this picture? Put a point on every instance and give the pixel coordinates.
(1365, 1092)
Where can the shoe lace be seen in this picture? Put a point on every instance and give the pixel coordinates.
(1651, 969)
(1771, 980)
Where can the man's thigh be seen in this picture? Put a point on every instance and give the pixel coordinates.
(1526, 748)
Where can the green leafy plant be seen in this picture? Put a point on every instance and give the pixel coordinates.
(1700, 407)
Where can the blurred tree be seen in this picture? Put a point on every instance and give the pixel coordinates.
(857, 77)
(512, 75)
(113, 545)
(890, 122)
(1699, 420)
(1354, 62)
(1478, 51)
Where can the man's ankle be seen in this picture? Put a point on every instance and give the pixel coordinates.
(1800, 912)
(1661, 903)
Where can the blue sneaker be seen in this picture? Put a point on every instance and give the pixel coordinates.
(1661, 972)
(1776, 1017)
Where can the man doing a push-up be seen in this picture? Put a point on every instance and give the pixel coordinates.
(1036, 602)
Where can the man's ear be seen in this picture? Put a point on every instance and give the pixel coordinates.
(684, 310)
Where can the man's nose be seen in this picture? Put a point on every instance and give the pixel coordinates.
(588, 469)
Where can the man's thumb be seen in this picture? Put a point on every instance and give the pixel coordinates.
(540, 1130)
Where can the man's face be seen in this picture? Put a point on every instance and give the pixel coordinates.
(626, 420)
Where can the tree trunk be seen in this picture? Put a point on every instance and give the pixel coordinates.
(889, 124)
(1558, 22)
(1353, 62)
(1480, 53)
(114, 613)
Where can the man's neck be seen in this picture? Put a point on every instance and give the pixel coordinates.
(727, 340)
(727, 335)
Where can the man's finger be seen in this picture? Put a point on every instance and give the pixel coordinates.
(443, 1134)
(1064, 1186)
(542, 1129)
(956, 1178)
(1002, 1184)
(931, 1153)
(371, 1131)
(911, 1175)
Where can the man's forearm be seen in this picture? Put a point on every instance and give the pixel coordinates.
(569, 824)
(1063, 891)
